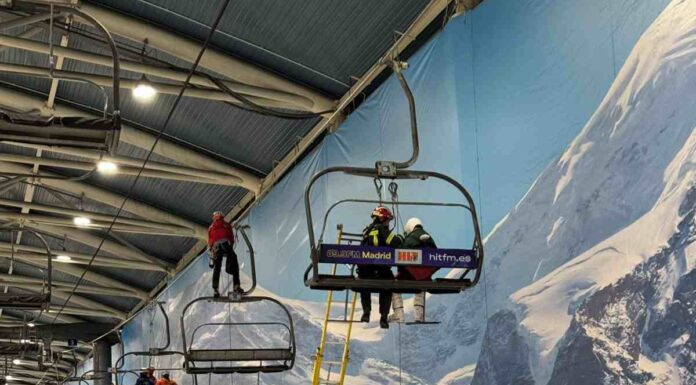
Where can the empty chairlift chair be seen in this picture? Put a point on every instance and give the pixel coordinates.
(199, 360)
(32, 301)
(101, 134)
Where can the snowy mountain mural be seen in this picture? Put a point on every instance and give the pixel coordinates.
(591, 273)
(589, 279)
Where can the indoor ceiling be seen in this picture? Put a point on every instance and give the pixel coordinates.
(308, 58)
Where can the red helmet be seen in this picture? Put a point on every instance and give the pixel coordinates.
(382, 213)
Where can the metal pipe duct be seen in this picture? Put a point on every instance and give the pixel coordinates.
(21, 101)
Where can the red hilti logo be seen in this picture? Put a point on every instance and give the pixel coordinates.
(409, 257)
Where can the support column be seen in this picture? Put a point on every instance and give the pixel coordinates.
(102, 362)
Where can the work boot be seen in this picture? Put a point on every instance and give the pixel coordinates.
(398, 307)
(383, 321)
(211, 261)
(237, 290)
(365, 317)
(216, 293)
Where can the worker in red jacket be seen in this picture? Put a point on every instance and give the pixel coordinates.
(221, 245)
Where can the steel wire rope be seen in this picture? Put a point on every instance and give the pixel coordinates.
(478, 169)
(213, 28)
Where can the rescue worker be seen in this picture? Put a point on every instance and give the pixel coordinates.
(164, 380)
(151, 375)
(415, 238)
(144, 379)
(221, 245)
(378, 234)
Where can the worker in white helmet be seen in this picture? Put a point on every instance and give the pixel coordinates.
(415, 237)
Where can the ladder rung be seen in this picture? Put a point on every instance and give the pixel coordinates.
(342, 320)
(322, 381)
(334, 343)
(332, 362)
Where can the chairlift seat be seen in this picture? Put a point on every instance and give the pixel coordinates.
(238, 369)
(343, 282)
(196, 355)
(69, 131)
(23, 301)
(16, 349)
(268, 360)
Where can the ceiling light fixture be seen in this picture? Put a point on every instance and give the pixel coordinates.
(62, 258)
(106, 167)
(144, 91)
(82, 221)
(16, 361)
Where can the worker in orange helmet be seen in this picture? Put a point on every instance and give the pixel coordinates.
(378, 234)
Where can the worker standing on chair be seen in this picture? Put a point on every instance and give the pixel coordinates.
(415, 238)
(221, 245)
(378, 234)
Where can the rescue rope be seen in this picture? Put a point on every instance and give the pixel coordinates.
(478, 172)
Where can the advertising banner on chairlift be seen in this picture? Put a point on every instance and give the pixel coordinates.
(370, 255)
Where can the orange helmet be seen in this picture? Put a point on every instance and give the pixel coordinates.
(382, 213)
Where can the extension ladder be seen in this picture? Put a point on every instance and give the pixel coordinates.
(340, 349)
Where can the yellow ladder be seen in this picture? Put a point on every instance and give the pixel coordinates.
(332, 366)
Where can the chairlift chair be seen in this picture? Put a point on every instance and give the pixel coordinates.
(79, 132)
(31, 301)
(239, 360)
(321, 253)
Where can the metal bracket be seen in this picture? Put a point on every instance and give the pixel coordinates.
(386, 169)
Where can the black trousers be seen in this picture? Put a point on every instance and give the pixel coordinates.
(231, 265)
(385, 296)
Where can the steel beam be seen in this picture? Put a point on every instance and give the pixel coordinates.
(100, 260)
(32, 283)
(38, 254)
(186, 49)
(25, 20)
(89, 276)
(37, 220)
(162, 88)
(221, 179)
(173, 229)
(21, 101)
(105, 196)
(95, 241)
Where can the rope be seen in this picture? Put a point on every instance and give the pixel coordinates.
(378, 186)
(478, 172)
(399, 325)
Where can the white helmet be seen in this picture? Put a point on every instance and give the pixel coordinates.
(411, 225)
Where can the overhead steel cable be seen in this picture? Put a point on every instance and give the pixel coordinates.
(213, 27)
